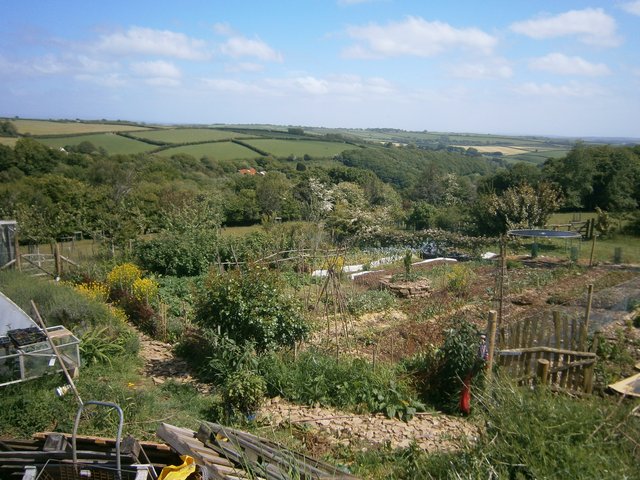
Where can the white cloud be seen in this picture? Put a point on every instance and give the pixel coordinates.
(591, 25)
(232, 86)
(224, 29)
(632, 7)
(112, 80)
(239, 46)
(52, 64)
(417, 37)
(158, 69)
(564, 65)
(549, 90)
(341, 85)
(476, 70)
(147, 41)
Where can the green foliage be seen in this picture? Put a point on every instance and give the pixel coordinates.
(422, 216)
(603, 223)
(459, 279)
(243, 391)
(58, 303)
(187, 254)
(528, 434)
(370, 301)
(96, 346)
(440, 373)
(522, 206)
(227, 357)
(8, 129)
(317, 378)
(251, 306)
(597, 176)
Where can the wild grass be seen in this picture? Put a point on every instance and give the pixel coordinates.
(32, 406)
(527, 434)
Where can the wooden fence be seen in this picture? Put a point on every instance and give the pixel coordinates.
(41, 264)
(551, 351)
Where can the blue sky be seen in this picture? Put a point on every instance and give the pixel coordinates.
(513, 67)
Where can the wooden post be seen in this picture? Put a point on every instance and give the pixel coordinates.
(16, 248)
(587, 386)
(543, 371)
(585, 323)
(58, 260)
(492, 341)
(596, 341)
(593, 248)
(557, 326)
(503, 274)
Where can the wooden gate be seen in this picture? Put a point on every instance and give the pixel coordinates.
(548, 350)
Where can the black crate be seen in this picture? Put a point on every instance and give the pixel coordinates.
(26, 336)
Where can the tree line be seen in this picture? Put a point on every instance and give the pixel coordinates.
(53, 193)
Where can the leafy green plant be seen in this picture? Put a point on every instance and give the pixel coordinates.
(251, 306)
(316, 378)
(96, 346)
(243, 391)
(459, 279)
(440, 373)
(370, 301)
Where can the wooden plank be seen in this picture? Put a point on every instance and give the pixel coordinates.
(548, 349)
(566, 343)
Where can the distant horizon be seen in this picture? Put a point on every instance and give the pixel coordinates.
(210, 124)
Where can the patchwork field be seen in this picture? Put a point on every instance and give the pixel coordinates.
(114, 144)
(10, 141)
(217, 151)
(284, 148)
(186, 135)
(45, 127)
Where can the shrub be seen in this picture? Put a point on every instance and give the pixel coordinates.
(442, 373)
(251, 306)
(123, 276)
(145, 289)
(459, 279)
(243, 391)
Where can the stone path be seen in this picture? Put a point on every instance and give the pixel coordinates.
(433, 432)
(160, 364)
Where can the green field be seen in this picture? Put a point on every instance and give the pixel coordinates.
(45, 127)
(217, 151)
(187, 135)
(285, 148)
(114, 144)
